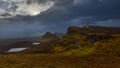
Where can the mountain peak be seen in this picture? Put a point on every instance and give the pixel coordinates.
(49, 35)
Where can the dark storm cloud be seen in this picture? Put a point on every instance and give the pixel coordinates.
(91, 11)
(62, 14)
(67, 10)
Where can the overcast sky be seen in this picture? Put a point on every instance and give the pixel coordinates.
(30, 18)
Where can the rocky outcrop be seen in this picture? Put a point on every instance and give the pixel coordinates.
(94, 29)
(94, 33)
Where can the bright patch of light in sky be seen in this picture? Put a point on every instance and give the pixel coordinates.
(21, 7)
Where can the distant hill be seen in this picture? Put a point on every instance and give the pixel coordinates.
(49, 35)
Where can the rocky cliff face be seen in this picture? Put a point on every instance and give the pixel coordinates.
(94, 29)
(94, 33)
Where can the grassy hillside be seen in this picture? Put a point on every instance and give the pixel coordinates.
(80, 45)
(78, 42)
